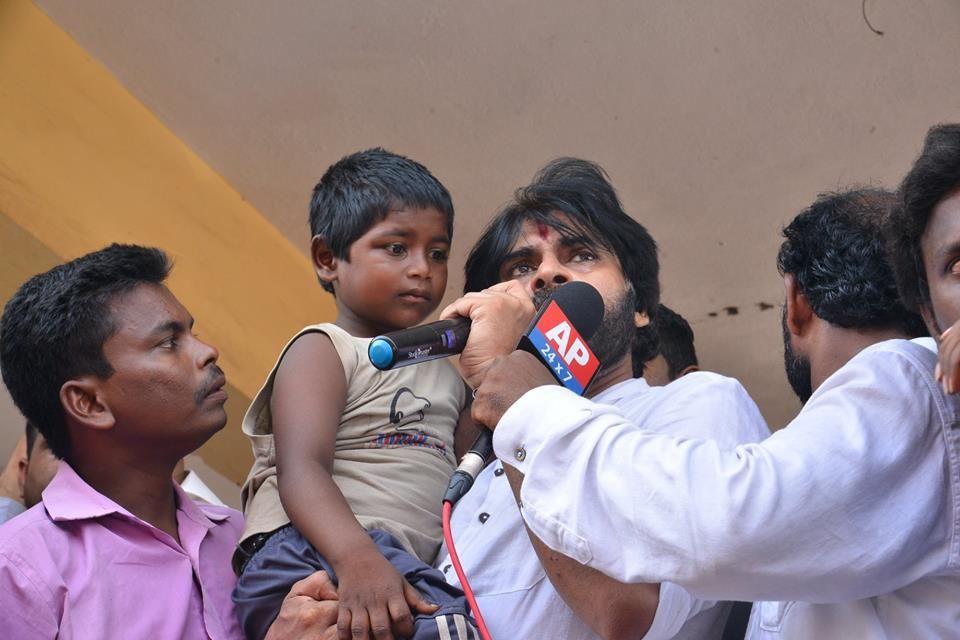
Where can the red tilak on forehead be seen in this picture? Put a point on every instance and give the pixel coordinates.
(543, 229)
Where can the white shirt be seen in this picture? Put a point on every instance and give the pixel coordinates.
(850, 515)
(515, 596)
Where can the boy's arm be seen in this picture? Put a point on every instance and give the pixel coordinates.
(309, 395)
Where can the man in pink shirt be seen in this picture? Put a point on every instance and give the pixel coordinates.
(100, 356)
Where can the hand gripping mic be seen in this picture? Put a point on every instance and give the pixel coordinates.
(558, 336)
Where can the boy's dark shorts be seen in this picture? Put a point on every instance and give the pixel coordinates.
(286, 557)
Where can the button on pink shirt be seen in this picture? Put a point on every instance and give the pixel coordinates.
(78, 565)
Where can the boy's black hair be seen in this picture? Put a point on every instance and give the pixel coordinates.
(53, 329)
(31, 438)
(581, 190)
(362, 188)
(835, 250)
(934, 176)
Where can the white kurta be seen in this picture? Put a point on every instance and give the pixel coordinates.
(514, 594)
(847, 521)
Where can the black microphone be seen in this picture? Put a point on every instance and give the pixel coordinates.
(558, 336)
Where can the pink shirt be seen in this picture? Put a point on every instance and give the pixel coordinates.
(78, 565)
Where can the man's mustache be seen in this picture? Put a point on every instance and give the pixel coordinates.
(540, 296)
(216, 373)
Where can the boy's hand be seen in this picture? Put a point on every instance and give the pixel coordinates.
(499, 316)
(375, 600)
(948, 366)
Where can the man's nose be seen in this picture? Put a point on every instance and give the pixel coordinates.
(207, 354)
(550, 273)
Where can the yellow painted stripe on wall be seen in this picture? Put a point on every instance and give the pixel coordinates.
(84, 164)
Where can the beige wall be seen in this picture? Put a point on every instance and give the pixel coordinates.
(169, 122)
(83, 164)
(718, 121)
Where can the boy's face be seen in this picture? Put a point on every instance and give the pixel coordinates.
(397, 271)
(166, 393)
(940, 245)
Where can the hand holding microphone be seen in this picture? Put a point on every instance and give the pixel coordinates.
(553, 348)
(496, 317)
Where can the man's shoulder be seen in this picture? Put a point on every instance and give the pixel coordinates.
(34, 539)
(907, 362)
(708, 382)
(698, 405)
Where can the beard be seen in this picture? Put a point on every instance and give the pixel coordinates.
(614, 337)
(796, 366)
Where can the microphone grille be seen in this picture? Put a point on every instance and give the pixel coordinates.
(583, 306)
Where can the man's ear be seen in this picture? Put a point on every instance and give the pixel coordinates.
(83, 402)
(324, 260)
(688, 369)
(799, 312)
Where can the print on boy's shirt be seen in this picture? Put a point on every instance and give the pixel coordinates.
(407, 411)
(407, 408)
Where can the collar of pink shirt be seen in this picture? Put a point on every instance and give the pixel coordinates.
(80, 565)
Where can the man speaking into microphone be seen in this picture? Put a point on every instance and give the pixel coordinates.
(566, 226)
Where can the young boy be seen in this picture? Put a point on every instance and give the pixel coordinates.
(352, 462)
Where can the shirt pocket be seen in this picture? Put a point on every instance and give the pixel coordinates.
(772, 614)
(516, 577)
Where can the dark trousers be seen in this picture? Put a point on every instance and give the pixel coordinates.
(287, 557)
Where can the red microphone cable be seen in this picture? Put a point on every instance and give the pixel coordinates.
(455, 560)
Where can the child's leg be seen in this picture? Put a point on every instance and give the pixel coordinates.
(452, 620)
(285, 558)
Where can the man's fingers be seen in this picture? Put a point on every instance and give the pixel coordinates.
(318, 586)
(305, 619)
(949, 361)
(416, 600)
(461, 307)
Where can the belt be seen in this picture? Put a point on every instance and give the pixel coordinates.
(249, 547)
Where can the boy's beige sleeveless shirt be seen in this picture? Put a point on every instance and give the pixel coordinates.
(394, 447)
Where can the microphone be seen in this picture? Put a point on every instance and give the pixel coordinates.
(558, 336)
(419, 344)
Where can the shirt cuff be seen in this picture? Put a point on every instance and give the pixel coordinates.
(533, 438)
(528, 425)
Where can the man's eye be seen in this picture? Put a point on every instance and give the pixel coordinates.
(396, 249)
(584, 256)
(170, 343)
(520, 270)
(954, 268)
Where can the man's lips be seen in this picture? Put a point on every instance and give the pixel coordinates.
(214, 388)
